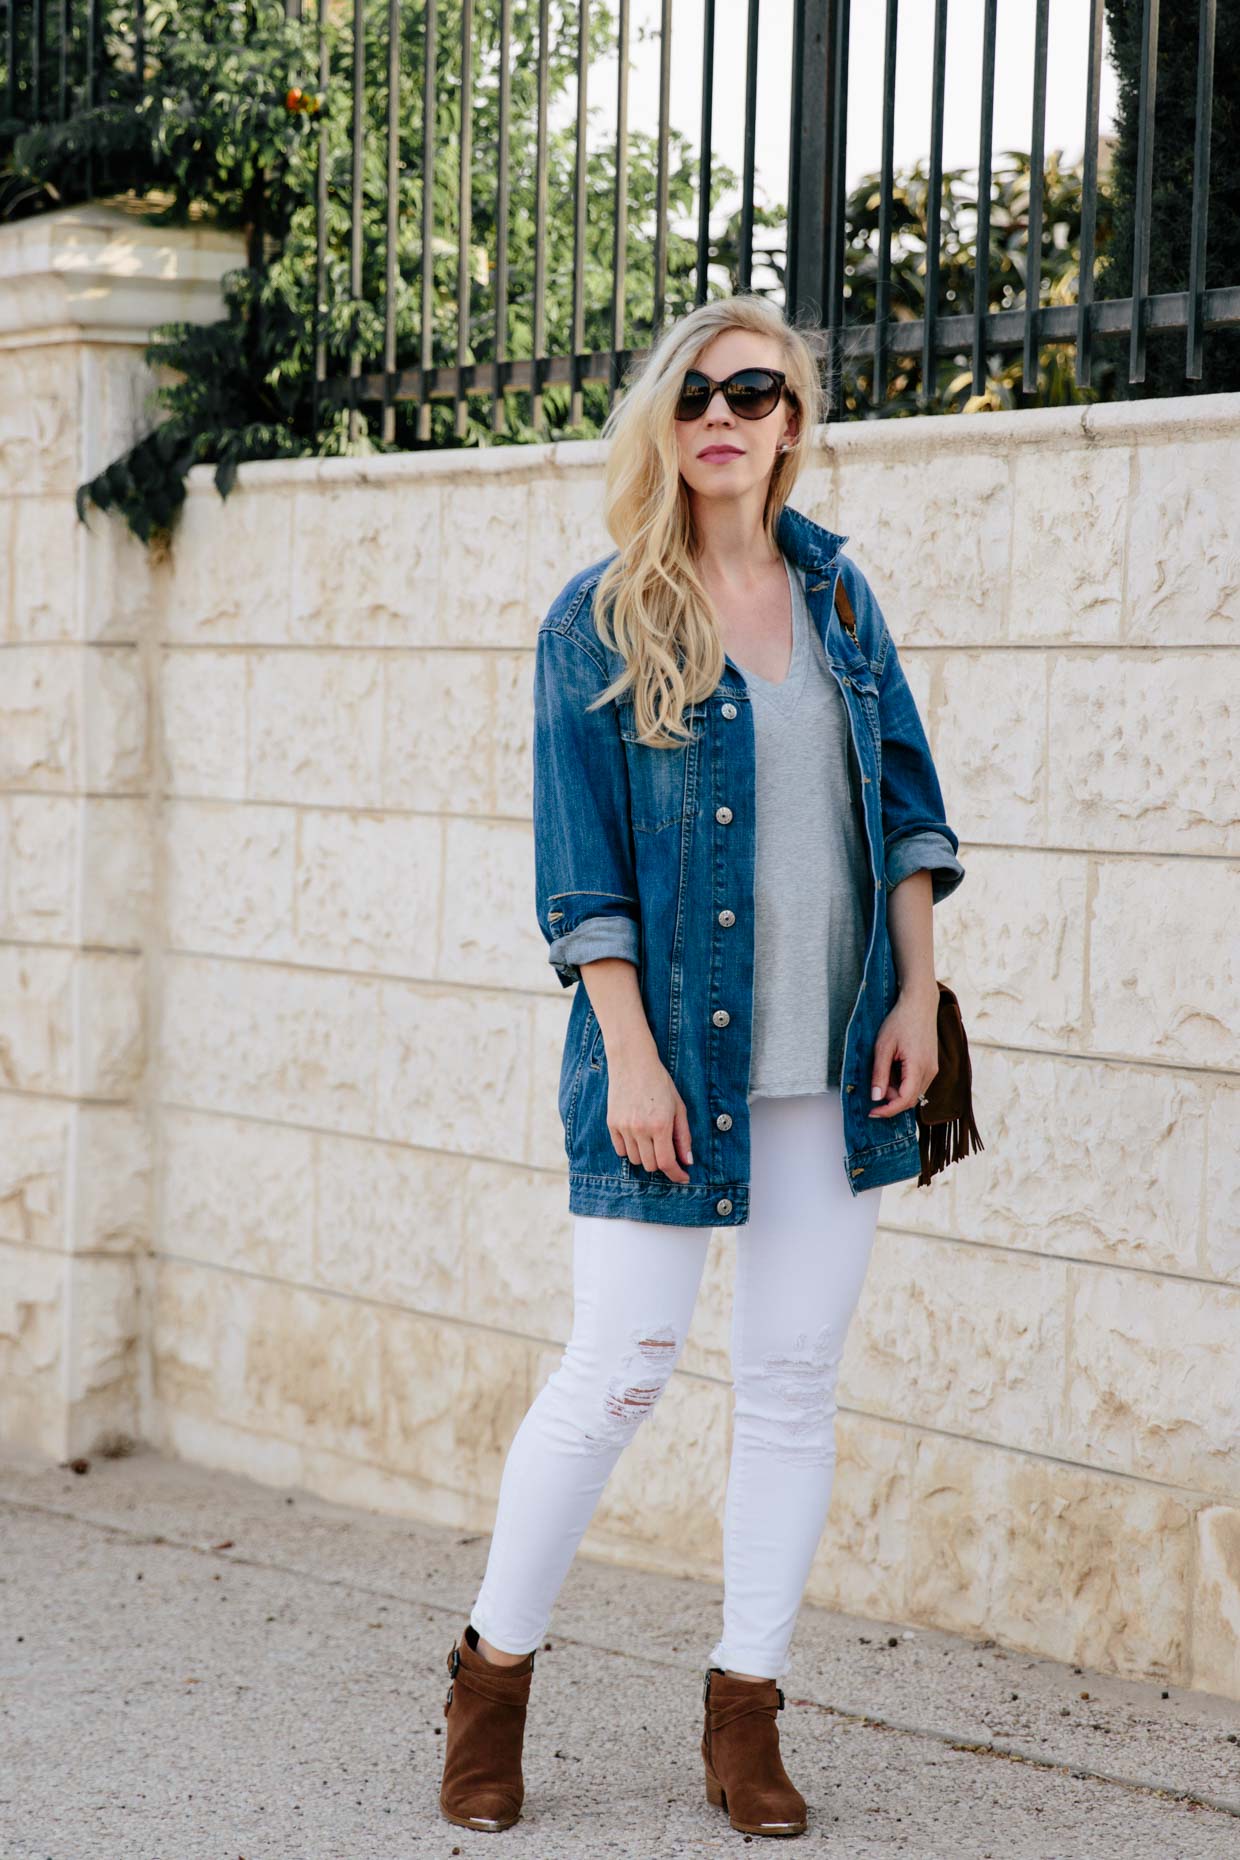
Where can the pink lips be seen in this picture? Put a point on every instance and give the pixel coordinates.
(721, 452)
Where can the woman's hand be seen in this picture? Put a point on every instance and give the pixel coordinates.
(910, 1034)
(646, 1115)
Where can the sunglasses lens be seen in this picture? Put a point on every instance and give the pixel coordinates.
(693, 396)
(752, 393)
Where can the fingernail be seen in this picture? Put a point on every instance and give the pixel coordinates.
(876, 1091)
(690, 1155)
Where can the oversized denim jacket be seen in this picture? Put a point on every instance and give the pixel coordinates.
(648, 854)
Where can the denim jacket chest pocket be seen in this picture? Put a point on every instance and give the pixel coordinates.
(663, 783)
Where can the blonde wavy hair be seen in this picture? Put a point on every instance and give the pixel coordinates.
(650, 604)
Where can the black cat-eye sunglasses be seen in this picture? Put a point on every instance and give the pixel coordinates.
(751, 393)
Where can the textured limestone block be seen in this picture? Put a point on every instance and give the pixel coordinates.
(1053, 1559)
(1144, 753)
(516, 1243)
(512, 733)
(485, 531)
(993, 717)
(112, 1179)
(125, 587)
(32, 1347)
(1216, 1602)
(490, 930)
(1163, 983)
(1152, 1387)
(1019, 950)
(238, 1195)
(229, 876)
(234, 566)
(1069, 508)
(316, 728)
(389, 1225)
(382, 586)
(110, 1023)
(1040, 1184)
(959, 1338)
(36, 1019)
(40, 420)
(115, 752)
(367, 891)
(35, 1151)
(1222, 1189)
(289, 1045)
(933, 544)
(662, 1508)
(203, 714)
(453, 1397)
(118, 857)
(48, 543)
(1184, 584)
(39, 866)
(567, 532)
(439, 709)
(39, 734)
(453, 1070)
(860, 1562)
(101, 1351)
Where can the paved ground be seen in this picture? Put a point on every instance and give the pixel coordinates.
(195, 1667)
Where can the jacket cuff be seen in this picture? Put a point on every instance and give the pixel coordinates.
(590, 940)
(926, 851)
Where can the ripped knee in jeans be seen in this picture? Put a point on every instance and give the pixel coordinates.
(632, 1395)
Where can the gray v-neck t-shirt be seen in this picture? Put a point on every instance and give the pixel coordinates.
(812, 872)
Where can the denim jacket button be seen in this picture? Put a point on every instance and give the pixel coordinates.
(721, 1017)
(723, 1206)
(723, 815)
(727, 710)
(727, 919)
(723, 1121)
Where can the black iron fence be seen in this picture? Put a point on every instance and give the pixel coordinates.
(424, 61)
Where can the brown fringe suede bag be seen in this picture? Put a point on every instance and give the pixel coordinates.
(945, 1128)
(946, 1131)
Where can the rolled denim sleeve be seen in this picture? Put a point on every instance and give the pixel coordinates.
(916, 834)
(584, 866)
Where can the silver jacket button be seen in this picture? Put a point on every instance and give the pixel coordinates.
(727, 919)
(727, 710)
(723, 1206)
(721, 1017)
(723, 815)
(723, 1121)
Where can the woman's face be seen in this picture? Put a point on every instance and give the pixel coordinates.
(721, 453)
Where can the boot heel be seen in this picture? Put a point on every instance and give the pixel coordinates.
(714, 1791)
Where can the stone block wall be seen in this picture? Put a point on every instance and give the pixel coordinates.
(281, 1173)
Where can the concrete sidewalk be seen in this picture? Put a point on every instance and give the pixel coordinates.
(196, 1667)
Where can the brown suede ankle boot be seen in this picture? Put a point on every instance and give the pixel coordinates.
(740, 1748)
(482, 1785)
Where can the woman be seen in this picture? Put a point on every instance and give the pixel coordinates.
(739, 837)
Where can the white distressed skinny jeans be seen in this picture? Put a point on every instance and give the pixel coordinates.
(800, 1261)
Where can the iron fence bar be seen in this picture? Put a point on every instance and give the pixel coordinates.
(10, 75)
(498, 403)
(1201, 189)
(1005, 330)
(355, 227)
(661, 190)
(320, 225)
(1145, 185)
(63, 101)
(809, 142)
(882, 276)
(705, 141)
(390, 283)
(934, 203)
(1089, 203)
(426, 328)
(833, 246)
(464, 209)
(620, 219)
(745, 266)
(577, 337)
(985, 158)
(1037, 183)
(139, 48)
(37, 36)
(539, 344)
